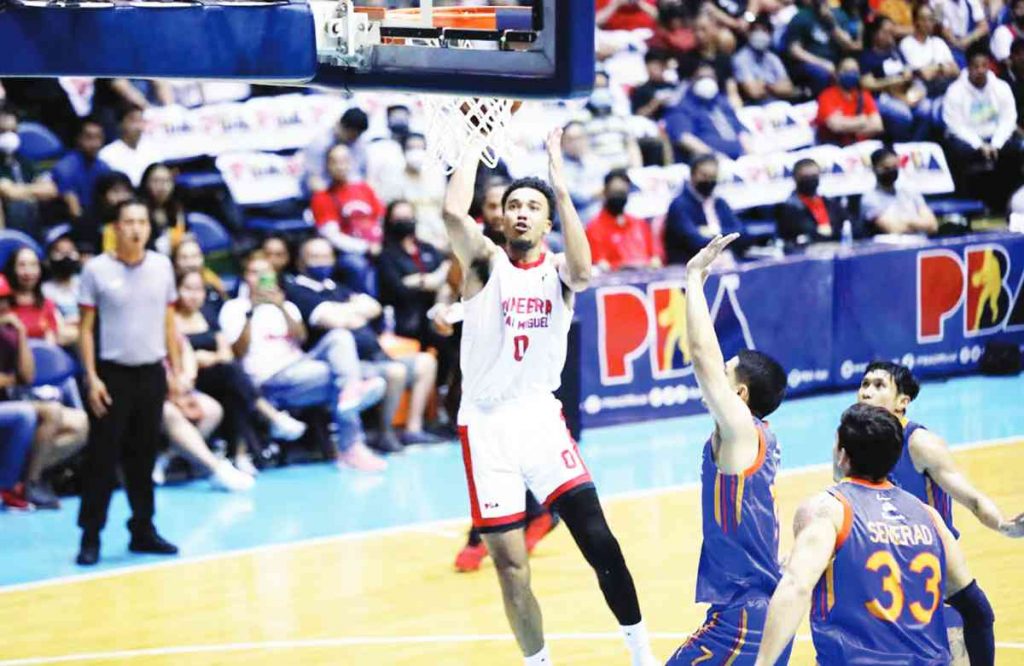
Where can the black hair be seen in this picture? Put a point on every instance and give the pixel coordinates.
(764, 20)
(873, 27)
(107, 182)
(979, 49)
(389, 212)
(88, 120)
(532, 183)
(126, 110)
(805, 162)
(765, 380)
(617, 174)
(879, 155)
(700, 160)
(655, 55)
(873, 440)
(355, 118)
(12, 277)
(901, 375)
(172, 208)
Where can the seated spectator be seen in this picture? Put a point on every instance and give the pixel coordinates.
(806, 216)
(266, 333)
(166, 212)
(64, 263)
(350, 131)
(964, 24)
(697, 215)
(422, 184)
(888, 209)
(583, 169)
(928, 55)
(40, 316)
(849, 20)
(653, 96)
(813, 44)
(760, 74)
(627, 14)
(673, 34)
(24, 189)
(279, 254)
(187, 257)
(1004, 36)
(981, 125)
(329, 308)
(220, 377)
(348, 214)
(707, 51)
(92, 233)
(704, 122)
(75, 174)
(17, 418)
(902, 101)
(1014, 76)
(619, 240)
(609, 128)
(846, 112)
(130, 153)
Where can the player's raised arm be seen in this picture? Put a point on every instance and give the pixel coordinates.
(816, 527)
(468, 242)
(576, 271)
(737, 435)
(932, 454)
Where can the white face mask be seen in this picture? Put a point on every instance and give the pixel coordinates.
(671, 75)
(9, 143)
(705, 88)
(760, 40)
(414, 159)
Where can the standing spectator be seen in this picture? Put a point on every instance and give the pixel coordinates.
(64, 264)
(902, 101)
(131, 293)
(187, 256)
(348, 214)
(23, 188)
(697, 215)
(846, 112)
(1014, 76)
(266, 333)
(981, 124)
(806, 216)
(627, 14)
(963, 24)
(583, 169)
(40, 316)
(759, 72)
(618, 240)
(17, 418)
(653, 96)
(279, 254)
(704, 122)
(350, 131)
(166, 213)
(928, 55)
(329, 307)
(812, 42)
(1004, 35)
(130, 153)
(888, 209)
(75, 174)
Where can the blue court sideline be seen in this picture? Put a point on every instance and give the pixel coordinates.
(308, 501)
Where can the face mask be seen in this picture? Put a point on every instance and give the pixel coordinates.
(705, 88)
(704, 187)
(616, 203)
(414, 159)
(9, 143)
(807, 186)
(402, 228)
(65, 266)
(760, 40)
(320, 273)
(601, 101)
(849, 80)
(887, 177)
(671, 75)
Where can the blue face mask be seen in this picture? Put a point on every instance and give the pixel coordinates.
(320, 273)
(849, 80)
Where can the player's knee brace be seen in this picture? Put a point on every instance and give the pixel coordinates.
(978, 616)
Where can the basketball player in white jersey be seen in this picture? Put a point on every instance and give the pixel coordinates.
(518, 308)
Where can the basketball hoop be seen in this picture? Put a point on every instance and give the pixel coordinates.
(456, 126)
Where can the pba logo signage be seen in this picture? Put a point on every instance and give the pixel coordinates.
(969, 290)
(648, 326)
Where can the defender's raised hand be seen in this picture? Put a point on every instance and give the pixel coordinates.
(701, 262)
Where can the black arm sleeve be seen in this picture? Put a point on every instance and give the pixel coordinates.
(979, 635)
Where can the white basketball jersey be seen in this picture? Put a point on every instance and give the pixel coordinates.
(515, 333)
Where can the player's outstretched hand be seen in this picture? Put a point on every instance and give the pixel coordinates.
(701, 262)
(1013, 528)
(556, 162)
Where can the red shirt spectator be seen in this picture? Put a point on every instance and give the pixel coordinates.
(627, 14)
(846, 112)
(621, 242)
(40, 320)
(354, 207)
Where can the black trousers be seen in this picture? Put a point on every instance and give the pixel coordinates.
(228, 384)
(129, 434)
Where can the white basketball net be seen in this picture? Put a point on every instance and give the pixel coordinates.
(456, 125)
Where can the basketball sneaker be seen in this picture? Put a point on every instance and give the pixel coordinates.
(360, 458)
(470, 557)
(13, 499)
(226, 477)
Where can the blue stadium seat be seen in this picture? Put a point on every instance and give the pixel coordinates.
(270, 225)
(12, 239)
(38, 143)
(965, 207)
(209, 232)
(54, 366)
(199, 180)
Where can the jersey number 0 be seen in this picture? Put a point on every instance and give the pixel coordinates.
(520, 344)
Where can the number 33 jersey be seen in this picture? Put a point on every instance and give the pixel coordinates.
(515, 332)
(880, 600)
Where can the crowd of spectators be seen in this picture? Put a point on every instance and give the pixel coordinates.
(345, 336)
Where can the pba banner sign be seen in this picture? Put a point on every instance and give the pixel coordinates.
(931, 306)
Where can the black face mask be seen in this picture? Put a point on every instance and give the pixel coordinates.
(616, 203)
(887, 177)
(402, 228)
(65, 267)
(400, 128)
(704, 187)
(807, 186)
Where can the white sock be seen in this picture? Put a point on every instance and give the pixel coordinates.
(639, 643)
(542, 658)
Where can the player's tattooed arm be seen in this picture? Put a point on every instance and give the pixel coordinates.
(737, 435)
(578, 266)
(931, 455)
(816, 526)
(469, 244)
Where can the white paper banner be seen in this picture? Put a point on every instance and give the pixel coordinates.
(778, 126)
(261, 178)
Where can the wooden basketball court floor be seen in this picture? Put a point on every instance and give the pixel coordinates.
(390, 596)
